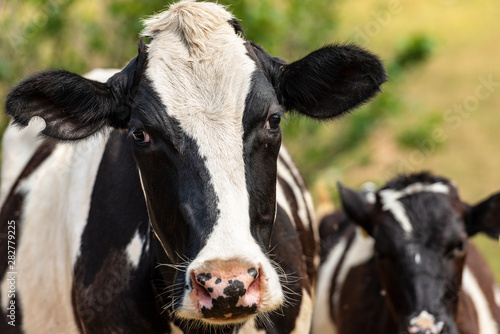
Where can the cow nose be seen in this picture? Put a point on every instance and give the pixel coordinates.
(229, 292)
(417, 330)
(425, 323)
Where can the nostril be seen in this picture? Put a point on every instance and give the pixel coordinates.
(253, 272)
(254, 286)
(203, 278)
(203, 292)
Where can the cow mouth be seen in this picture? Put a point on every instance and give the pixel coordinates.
(228, 320)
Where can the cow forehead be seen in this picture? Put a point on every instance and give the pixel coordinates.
(413, 206)
(199, 67)
(200, 70)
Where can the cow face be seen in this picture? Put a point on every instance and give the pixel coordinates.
(420, 228)
(203, 109)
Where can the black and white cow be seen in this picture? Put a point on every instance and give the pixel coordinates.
(180, 211)
(397, 261)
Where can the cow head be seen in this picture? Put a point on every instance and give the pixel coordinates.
(420, 227)
(203, 108)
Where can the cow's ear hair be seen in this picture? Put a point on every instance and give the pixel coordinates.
(72, 106)
(326, 83)
(356, 207)
(485, 217)
(331, 81)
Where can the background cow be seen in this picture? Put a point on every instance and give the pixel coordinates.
(181, 211)
(413, 270)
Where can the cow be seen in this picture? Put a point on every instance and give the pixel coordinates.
(161, 200)
(397, 260)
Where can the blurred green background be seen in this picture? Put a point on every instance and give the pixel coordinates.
(439, 111)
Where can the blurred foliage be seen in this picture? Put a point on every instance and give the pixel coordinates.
(320, 149)
(420, 133)
(411, 52)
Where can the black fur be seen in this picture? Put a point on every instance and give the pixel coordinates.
(74, 107)
(326, 83)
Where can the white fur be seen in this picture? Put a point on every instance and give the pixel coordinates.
(249, 328)
(304, 200)
(283, 203)
(134, 249)
(496, 291)
(18, 146)
(55, 212)
(54, 215)
(201, 71)
(303, 321)
(101, 74)
(390, 200)
(360, 251)
(418, 258)
(322, 321)
(369, 189)
(470, 286)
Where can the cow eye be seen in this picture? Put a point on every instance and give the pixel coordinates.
(140, 136)
(273, 122)
(457, 249)
(460, 247)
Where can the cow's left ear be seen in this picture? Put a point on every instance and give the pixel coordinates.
(74, 107)
(356, 207)
(485, 217)
(326, 83)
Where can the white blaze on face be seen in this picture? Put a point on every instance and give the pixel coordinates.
(200, 69)
(390, 200)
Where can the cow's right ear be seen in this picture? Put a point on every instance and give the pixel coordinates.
(327, 82)
(485, 217)
(72, 106)
(356, 207)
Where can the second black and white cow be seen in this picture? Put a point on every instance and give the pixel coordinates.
(163, 200)
(414, 271)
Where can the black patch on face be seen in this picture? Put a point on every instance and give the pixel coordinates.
(261, 148)
(107, 290)
(223, 306)
(180, 197)
(107, 228)
(218, 280)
